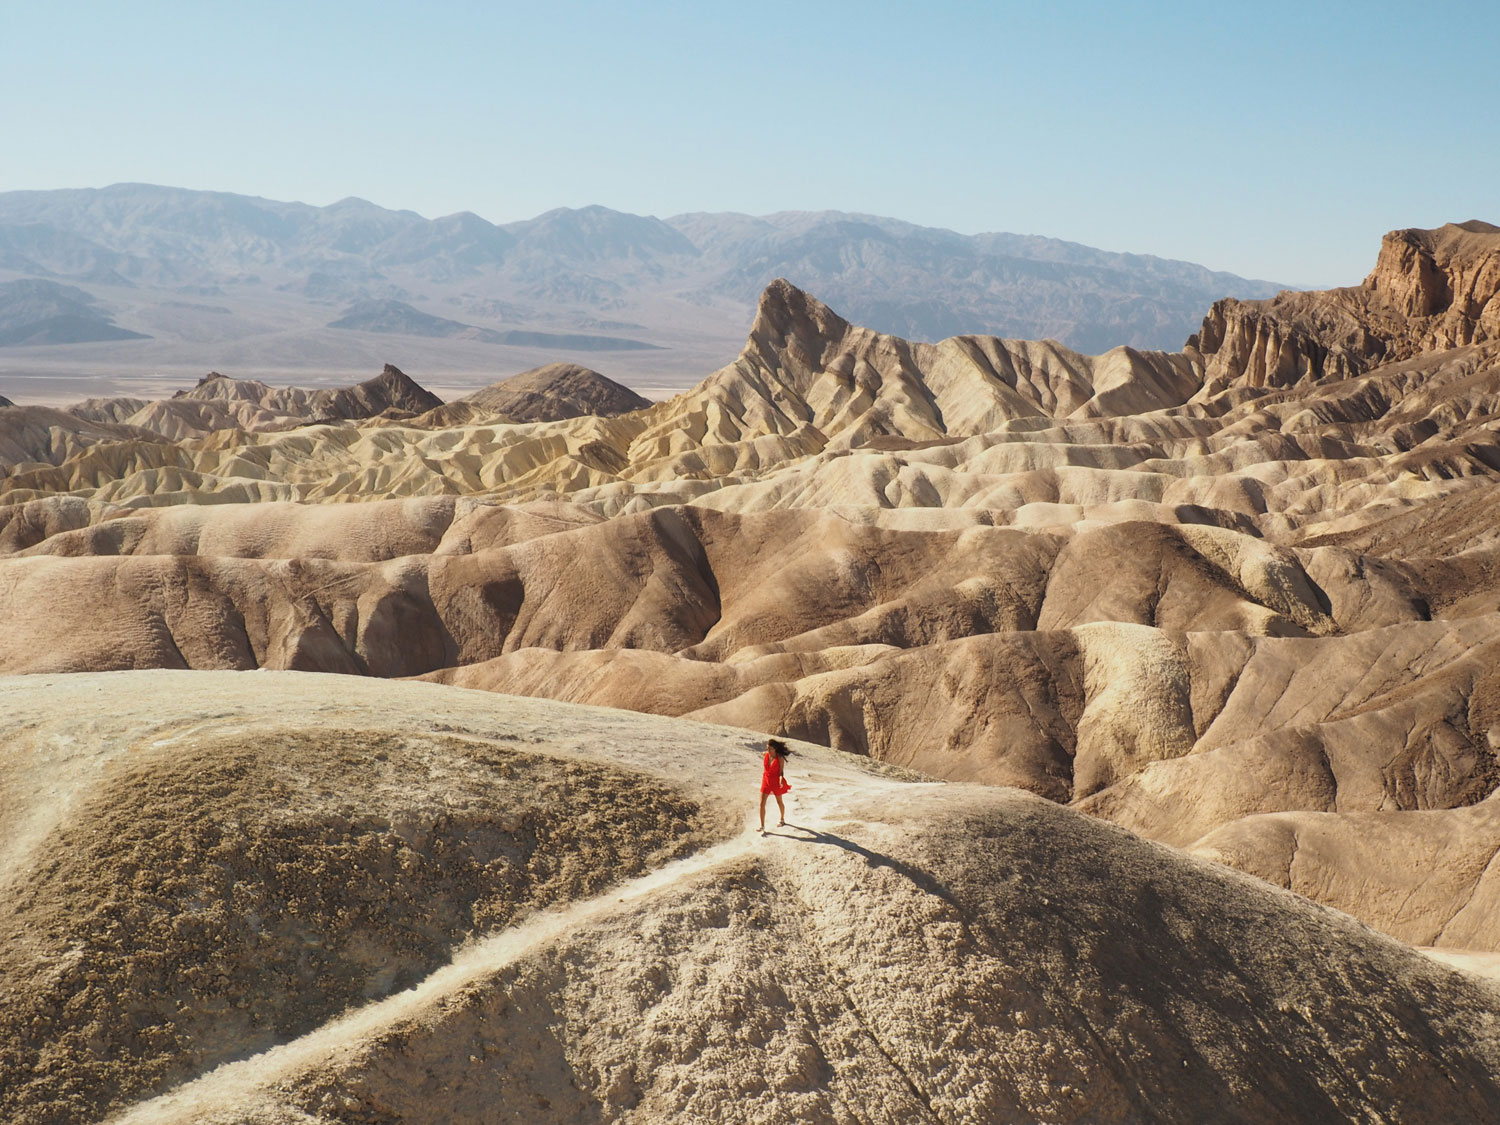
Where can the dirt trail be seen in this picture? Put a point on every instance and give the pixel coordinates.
(820, 797)
(901, 948)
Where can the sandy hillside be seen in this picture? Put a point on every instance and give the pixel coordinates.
(285, 897)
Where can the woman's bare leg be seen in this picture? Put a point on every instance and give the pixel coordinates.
(779, 806)
(763, 812)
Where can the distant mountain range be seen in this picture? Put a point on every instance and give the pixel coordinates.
(542, 283)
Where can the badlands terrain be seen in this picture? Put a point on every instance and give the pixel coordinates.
(1148, 706)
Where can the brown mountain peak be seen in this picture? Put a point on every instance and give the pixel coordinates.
(1453, 268)
(554, 391)
(793, 330)
(392, 389)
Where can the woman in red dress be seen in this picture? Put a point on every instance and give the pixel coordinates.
(772, 781)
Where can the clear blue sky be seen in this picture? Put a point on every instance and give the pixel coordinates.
(1277, 140)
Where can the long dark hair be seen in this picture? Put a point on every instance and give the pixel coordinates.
(779, 748)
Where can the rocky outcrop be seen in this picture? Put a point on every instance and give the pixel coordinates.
(220, 403)
(1284, 341)
(1430, 290)
(391, 390)
(812, 381)
(40, 435)
(1446, 282)
(116, 409)
(544, 394)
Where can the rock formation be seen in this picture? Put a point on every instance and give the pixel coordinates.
(1241, 600)
(217, 403)
(543, 394)
(392, 389)
(1430, 290)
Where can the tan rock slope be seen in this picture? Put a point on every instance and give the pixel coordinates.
(392, 389)
(283, 897)
(1431, 290)
(1242, 598)
(543, 394)
(44, 435)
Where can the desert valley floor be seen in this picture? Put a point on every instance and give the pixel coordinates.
(1146, 709)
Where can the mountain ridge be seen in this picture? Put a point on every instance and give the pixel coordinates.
(568, 266)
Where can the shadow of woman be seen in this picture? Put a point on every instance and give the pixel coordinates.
(921, 879)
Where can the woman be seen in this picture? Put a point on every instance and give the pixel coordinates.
(772, 782)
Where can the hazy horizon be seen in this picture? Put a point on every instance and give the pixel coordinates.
(1252, 143)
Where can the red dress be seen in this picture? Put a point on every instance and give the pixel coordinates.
(771, 780)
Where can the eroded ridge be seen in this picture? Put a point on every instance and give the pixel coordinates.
(901, 950)
(1241, 598)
